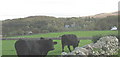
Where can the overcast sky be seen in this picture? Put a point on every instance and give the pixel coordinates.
(10, 9)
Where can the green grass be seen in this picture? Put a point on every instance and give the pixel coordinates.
(78, 33)
(8, 45)
(9, 49)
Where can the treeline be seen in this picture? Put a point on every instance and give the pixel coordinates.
(46, 24)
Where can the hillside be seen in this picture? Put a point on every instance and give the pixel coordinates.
(46, 24)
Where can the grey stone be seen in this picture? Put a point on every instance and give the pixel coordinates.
(107, 45)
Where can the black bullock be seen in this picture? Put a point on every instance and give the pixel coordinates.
(69, 40)
(34, 48)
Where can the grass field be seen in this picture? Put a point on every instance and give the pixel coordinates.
(8, 45)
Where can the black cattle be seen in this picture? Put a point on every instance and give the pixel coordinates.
(69, 40)
(34, 48)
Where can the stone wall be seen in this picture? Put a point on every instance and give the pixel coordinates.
(107, 45)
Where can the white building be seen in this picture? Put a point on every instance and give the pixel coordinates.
(67, 26)
(114, 28)
(30, 32)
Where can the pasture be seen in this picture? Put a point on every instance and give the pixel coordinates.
(8, 45)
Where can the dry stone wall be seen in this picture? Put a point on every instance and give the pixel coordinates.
(107, 45)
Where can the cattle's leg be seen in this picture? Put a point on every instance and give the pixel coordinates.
(69, 48)
(74, 47)
(63, 48)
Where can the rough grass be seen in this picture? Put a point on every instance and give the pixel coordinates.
(8, 45)
(9, 49)
(78, 33)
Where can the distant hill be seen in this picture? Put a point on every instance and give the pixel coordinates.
(103, 15)
(46, 24)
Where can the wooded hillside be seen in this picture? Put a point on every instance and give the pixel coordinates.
(46, 24)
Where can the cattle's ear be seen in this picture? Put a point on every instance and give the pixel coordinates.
(50, 39)
(41, 38)
(55, 43)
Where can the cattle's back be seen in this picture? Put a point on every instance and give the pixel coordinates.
(34, 47)
(69, 39)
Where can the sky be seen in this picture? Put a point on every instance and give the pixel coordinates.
(10, 9)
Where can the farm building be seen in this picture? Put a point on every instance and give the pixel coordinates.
(114, 28)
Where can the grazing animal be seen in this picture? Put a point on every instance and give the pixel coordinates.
(69, 40)
(34, 48)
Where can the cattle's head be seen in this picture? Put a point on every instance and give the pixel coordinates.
(51, 44)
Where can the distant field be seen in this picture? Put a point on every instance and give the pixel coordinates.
(8, 45)
(78, 33)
